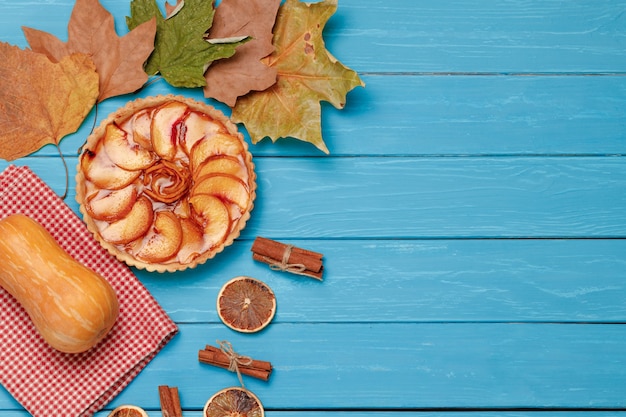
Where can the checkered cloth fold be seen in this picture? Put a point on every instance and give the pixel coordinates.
(50, 383)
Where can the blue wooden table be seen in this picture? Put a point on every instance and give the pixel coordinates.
(472, 213)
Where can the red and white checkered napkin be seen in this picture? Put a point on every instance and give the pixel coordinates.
(45, 381)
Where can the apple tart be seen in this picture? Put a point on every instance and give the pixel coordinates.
(165, 183)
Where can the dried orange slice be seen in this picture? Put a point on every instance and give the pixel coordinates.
(128, 411)
(233, 401)
(246, 304)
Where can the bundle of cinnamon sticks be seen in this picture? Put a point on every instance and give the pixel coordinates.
(288, 258)
(170, 401)
(215, 356)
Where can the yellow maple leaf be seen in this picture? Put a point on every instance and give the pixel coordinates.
(40, 101)
(307, 75)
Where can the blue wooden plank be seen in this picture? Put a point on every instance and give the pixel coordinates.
(426, 281)
(406, 366)
(366, 366)
(405, 413)
(440, 197)
(326, 413)
(456, 115)
(434, 198)
(50, 16)
(456, 413)
(476, 115)
(467, 36)
(428, 36)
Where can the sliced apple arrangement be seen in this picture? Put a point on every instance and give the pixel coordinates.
(165, 183)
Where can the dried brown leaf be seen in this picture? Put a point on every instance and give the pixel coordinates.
(41, 101)
(91, 30)
(172, 9)
(228, 79)
(307, 75)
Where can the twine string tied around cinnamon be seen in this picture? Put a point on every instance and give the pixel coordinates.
(284, 264)
(234, 358)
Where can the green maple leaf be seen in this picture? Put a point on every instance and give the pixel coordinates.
(307, 75)
(181, 54)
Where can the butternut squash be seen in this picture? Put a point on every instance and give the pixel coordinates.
(71, 306)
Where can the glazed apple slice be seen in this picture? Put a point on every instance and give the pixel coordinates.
(124, 153)
(225, 164)
(224, 186)
(198, 126)
(235, 212)
(111, 205)
(182, 209)
(140, 125)
(192, 244)
(131, 227)
(166, 128)
(218, 144)
(214, 217)
(104, 173)
(163, 239)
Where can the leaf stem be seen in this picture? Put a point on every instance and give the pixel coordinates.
(67, 174)
(152, 80)
(93, 127)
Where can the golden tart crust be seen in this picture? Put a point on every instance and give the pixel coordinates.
(165, 183)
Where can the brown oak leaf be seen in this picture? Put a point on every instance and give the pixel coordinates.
(41, 101)
(91, 30)
(228, 79)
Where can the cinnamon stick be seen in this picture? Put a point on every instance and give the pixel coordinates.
(288, 258)
(212, 355)
(170, 401)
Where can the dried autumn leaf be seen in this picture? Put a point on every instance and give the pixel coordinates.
(307, 75)
(41, 101)
(91, 30)
(181, 54)
(171, 10)
(230, 78)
